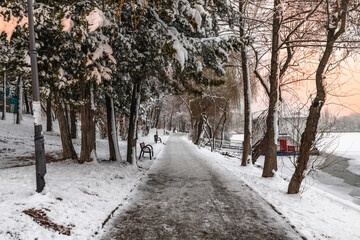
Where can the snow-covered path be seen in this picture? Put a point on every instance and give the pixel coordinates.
(185, 198)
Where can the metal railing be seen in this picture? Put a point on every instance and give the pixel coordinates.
(230, 146)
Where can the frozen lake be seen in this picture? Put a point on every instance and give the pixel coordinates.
(341, 177)
(346, 145)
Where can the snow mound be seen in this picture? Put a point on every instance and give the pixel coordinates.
(96, 19)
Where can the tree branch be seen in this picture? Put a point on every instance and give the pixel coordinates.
(257, 74)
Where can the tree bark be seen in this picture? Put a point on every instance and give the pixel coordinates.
(134, 110)
(31, 108)
(152, 117)
(49, 123)
(19, 101)
(223, 130)
(4, 98)
(309, 134)
(67, 115)
(88, 141)
(164, 126)
(270, 164)
(247, 91)
(112, 133)
(200, 126)
(259, 148)
(67, 145)
(73, 127)
(27, 105)
(171, 121)
(157, 116)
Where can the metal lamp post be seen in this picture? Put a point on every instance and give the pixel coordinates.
(39, 137)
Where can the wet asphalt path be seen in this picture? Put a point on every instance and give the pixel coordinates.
(184, 198)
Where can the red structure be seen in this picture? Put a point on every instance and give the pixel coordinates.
(286, 146)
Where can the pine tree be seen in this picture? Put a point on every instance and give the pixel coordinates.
(14, 45)
(179, 35)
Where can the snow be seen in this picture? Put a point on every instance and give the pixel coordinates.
(19, 139)
(315, 213)
(83, 196)
(80, 196)
(99, 53)
(237, 137)
(67, 24)
(355, 165)
(37, 112)
(96, 75)
(101, 72)
(9, 27)
(96, 19)
(196, 14)
(181, 53)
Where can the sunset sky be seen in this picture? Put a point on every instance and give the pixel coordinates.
(343, 92)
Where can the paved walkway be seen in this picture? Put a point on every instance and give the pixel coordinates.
(184, 198)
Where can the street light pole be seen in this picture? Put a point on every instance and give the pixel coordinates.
(39, 137)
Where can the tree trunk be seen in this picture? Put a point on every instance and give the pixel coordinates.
(152, 117)
(67, 114)
(31, 108)
(223, 130)
(157, 116)
(309, 134)
(209, 132)
(4, 98)
(19, 101)
(73, 127)
(27, 105)
(200, 125)
(307, 140)
(67, 145)
(171, 121)
(88, 141)
(49, 123)
(164, 126)
(134, 110)
(259, 148)
(270, 164)
(247, 91)
(112, 133)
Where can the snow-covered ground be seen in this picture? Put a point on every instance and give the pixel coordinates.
(82, 197)
(17, 142)
(316, 213)
(78, 197)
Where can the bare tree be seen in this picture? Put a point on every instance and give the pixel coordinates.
(335, 27)
(288, 20)
(247, 89)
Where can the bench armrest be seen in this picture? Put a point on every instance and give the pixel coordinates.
(149, 146)
(146, 147)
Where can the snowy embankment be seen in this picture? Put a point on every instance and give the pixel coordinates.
(77, 200)
(314, 213)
